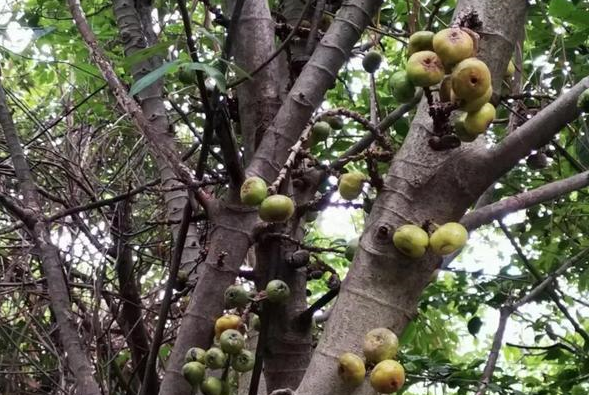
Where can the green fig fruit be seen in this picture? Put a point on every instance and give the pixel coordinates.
(336, 123)
(253, 191)
(424, 68)
(420, 41)
(510, 70)
(460, 129)
(229, 321)
(350, 185)
(401, 88)
(583, 101)
(477, 122)
(351, 369)
(453, 45)
(473, 105)
(448, 238)
(351, 248)
(276, 208)
(211, 386)
(371, 61)
(244, 361)
(255, 322)
(277, 291)
(411, 240)
(471, 79)
(387, 376)
(320, 132)
(231, 341)
(380, 344)
(195, 354)
(215, 358)
(236, 297)
(193, 372)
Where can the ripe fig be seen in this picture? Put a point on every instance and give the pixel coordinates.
(420, 41)
(253, 191)
(401, 88)
(236, 297)
(425, 68)
(351, 248)
(229, 321)
(380, 344)
(537, 161)
(371, 61)
(320, 132)
(471, 79)
(446, 89)
(473, 105)
(277, 291)
(336, 123)
(350, 185)
(215, 358)
(244, 361)
(211, 386)
(276, 208)
(583, 101)
(387, 376)
(477, 122)
(453, 45)
(193, 372)
(195, 354)
(231, 341)
(351, 369)
(448, 238)
(411, 240)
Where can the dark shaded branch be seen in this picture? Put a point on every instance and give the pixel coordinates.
(307, 315)
(504, 314)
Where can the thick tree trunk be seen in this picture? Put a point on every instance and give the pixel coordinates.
(382, 287)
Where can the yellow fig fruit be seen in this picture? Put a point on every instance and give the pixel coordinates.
(448, 238)
(350, 185)
(510, 70)
(276, 208)
(387, 376)
(424, 68)
(411, 240)
(380, 344)
(351, 369)
(471, 79)
(420, 41)
(473, 105)
(229, 321)
(453, 45)
(477, 122)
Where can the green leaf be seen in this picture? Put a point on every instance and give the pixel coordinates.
(239, 72)
(146, 53)
(152, 77)
(210, 71)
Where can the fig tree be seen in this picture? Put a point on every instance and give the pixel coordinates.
(351, 369)
(215, 358)
(477, 122)
(510, 70)
(420, 41)
(387, 376)
(371, 61)
(276, 208)
(424, 69)
(320, 132)
(380, 344)
(193, 372)
(448, 238)
(336, 123)
(253, 191)
(195, 354)
(453, 45)
(244, 361)
(411, 240)
(350, 185)
(211, 386)
(231, 341)
(229, 321)
(236, 297)
(471, 79)
(401, 88)
(476, 104)
(277, 291)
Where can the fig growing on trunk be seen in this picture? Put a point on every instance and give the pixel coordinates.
(387, 376)
(460, 130)
(215, 358)
(476, 104)
(477, 122)
(420, 41)
(401, 88)
(371, 61)
(411, 240)
(193, 372)
(425, 68)
(320, 132)
(510, 70)
(244, 361)
(351, 249)
(276, 208)
(277, 291)
(471, 79)
(350, 185)
(583, 101)
(380, 344)
(453, 45)
(229, 321)
(211, 386)
(236, 296)
(253, 191)
(448, 238)
(195, 354)
(231, 341)
(351, 369)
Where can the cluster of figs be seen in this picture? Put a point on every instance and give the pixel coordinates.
(380, 350)
(228, 352)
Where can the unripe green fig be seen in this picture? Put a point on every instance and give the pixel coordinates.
(255, 323)
(460, 129)
(231, 341)
(371, 61)
(420, 41)
(276, 208)
(510, 70)
(351, 248)
(411, 240)
(229, 321)
(195, 354)
(211, 386)
(320, 132)
(193, 372)
(583, 101)
(380, 344)
(473, 105)
(387, 376)
(336, 123)
(401, 88)
(424, 68)
(471, 79)
(350, 185)
(236, 297)
(453, 45)
(448, 238)
(351, 369)
(477, 122)
(244, 361)
(277, 291)
(253, 191)
(215, 358)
